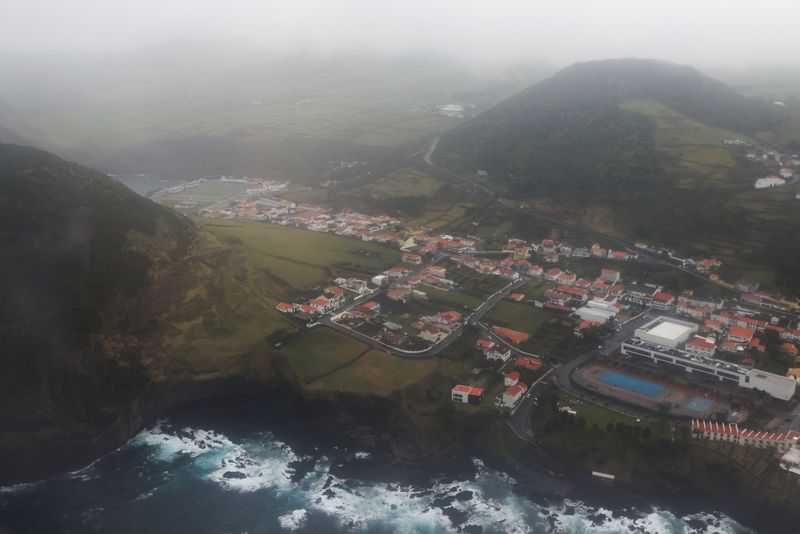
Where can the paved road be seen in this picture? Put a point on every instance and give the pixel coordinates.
(472, 319)
(520, 420)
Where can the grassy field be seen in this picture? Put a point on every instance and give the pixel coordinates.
(594, 438)
(305, 195)
(694, 148)
(405, 182)
(240, 276)
(321, 351)
(297, 258)
(375, 373)
(474, 282)
(518, 316)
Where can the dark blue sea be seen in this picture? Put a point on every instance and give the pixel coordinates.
(175, 478)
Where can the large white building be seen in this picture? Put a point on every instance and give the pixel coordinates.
(777, 386)
(666, 331)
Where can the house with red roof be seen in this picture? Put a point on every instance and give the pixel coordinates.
(612, 275)
(514, 394)
(701, 346)
(513, 336)
(484, 344)
(449, 318)
(505, 272)
(567, 278)
(285, 307)
(321, 304)
(535, 270)
(714, 431)
(741, 335)
(597, 251)
(467, 394)
(334, 292)
(517, 297)
(410, 257)
(437, 270)
(619, 255)
(790, 349)
(432, 333)
(552, 274)
(707, 265)
(586, 326)
(371, 307)
(662, 300)
(757, 345)
(396, 272)
(511, 379)
(731, 347)
(528, 362)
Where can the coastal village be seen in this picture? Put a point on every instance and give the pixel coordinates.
(446, 283)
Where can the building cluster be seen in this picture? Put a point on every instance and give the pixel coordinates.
(332, 297)
(258, 204)
(783, 166)
(672, 344)
(786, 444)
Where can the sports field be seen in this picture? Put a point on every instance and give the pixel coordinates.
(637, 385)
(653, 390)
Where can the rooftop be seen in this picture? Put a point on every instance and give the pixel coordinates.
(669, 330)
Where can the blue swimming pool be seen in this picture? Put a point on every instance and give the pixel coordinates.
(632, 383)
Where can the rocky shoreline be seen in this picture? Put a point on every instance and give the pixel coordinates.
(363, 423)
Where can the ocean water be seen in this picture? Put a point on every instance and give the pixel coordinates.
(180, 479)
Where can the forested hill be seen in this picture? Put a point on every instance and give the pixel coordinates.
(568, 133)
(77, 249)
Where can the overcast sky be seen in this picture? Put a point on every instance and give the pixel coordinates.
(728, 32)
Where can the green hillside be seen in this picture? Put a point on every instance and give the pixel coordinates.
(634, 148)
(572, 133)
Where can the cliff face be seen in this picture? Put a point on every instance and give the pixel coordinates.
(96, 283)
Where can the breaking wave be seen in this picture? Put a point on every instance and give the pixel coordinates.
(264, 464)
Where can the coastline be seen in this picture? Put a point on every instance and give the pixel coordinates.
(361, 423)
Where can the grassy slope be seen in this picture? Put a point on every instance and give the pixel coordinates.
(245, 272)
(695, 149)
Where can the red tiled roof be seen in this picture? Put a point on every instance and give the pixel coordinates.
(734, 430)
(511, 335)
(741, 332)
(484, 343)
(513, 375)
(663, 297)
(517, 389)
(469, 390)
(701, 343)
(528, 362)
(284, 307)
(789, 348)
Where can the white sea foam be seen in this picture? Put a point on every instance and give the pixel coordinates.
(246, 470)
(294, 519)
(487, 500)
(19, 488)
(170, 444)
